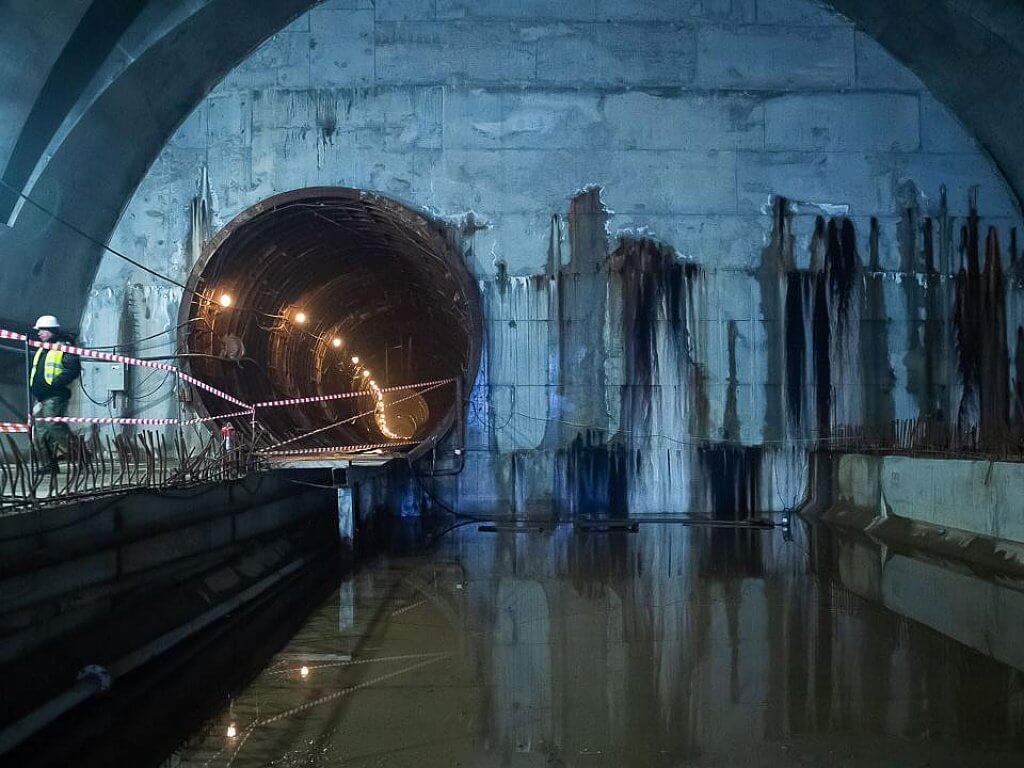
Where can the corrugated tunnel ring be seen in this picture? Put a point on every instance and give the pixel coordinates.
(325, 290)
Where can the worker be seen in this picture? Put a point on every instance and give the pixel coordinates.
(52, 373)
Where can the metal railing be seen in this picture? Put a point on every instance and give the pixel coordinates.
(92, 465)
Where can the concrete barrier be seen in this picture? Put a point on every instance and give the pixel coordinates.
(985, 498)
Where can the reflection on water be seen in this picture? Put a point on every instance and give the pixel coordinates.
(671, 646)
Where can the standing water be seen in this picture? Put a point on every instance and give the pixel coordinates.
(664, 647)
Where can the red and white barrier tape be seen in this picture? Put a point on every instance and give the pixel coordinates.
(434, 383)
(115, 358)
(317, 399)
(129, 420)
(106, 420)
(205, 419)
(345, 395)
(203, 385)
(339, 449)
(249, 410)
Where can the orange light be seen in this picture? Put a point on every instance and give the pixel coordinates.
(336, 342)
(225, 300)
(355, 360)
(366, 374)
(300, 317)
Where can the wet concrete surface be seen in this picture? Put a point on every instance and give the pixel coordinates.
(669, 646)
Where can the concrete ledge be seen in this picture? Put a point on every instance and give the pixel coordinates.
(981, 497)
(964, 509)
(984, 497)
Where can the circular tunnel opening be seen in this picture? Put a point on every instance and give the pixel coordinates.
(329, 290)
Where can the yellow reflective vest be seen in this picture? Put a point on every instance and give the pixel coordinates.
(53, 365)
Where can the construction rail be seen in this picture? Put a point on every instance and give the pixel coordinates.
(95, 465)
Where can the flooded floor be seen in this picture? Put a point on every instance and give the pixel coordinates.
(669, 646)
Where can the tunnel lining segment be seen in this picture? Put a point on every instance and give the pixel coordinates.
(388, 281)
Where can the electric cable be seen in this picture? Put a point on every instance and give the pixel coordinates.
(91, 399)
(132, 345)
(91, 239)
(314, 485)
(699, 441)
(152, 392)
(459, 515)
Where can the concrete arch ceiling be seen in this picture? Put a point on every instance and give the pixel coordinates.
(100, 161)
(964, 51)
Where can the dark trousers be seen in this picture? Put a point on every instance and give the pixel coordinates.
(51, 435)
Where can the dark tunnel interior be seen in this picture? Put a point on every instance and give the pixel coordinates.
(329, 290)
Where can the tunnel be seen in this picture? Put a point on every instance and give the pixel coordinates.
(614, 384)
(328, 291)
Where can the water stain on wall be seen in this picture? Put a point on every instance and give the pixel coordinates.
(797, 298)
(995, 360)
(327, 116)
(819, 321)
(1018, 383)
(731, 476)
(597, 475)
(980, 321)
(658, 295)
(731, 419)
(877, 379)
(776, 262)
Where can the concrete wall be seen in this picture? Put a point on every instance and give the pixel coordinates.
(955, 46)
(692, 118)
(67, 569)
(979, 497)
(32, 38)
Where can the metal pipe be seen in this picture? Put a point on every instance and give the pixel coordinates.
(93, 679)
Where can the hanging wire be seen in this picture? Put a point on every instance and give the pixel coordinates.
(91, 239)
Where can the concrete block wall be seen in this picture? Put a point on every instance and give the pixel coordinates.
(69, 568)
(690, 116)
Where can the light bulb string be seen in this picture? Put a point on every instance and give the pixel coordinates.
(351, 419)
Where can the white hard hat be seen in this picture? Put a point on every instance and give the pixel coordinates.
(46, 321)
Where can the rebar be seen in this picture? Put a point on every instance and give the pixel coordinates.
(90, 465)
